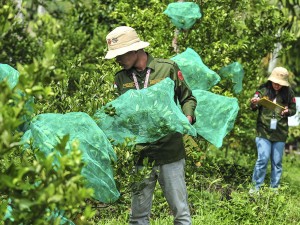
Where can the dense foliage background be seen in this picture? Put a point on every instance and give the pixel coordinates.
(59, 46)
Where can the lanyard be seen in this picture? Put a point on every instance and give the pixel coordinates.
(275, 103)
(146, 79)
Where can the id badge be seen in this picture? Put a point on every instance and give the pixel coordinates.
(273, 124)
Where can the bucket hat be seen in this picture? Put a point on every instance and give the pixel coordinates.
(122, 40)
(280, 76)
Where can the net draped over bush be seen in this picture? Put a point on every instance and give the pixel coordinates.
(183, 14)
(9, 74)
(145, 115)
(196, 74)
(215, 115)
(45, 133)
(235, 72)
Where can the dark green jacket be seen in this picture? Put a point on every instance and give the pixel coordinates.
(265, 115)
(169, 148)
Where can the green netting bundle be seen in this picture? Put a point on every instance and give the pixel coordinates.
(196, 74)
(145, 115)
(46, 130)
(235, 72)
(215, 116)
(183, 14)
(9, 74)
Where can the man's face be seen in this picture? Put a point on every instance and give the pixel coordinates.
(127, 60)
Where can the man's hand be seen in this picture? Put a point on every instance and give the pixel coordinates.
(190, 119)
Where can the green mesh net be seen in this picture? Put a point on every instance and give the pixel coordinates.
(183, 14)
(8, 217)
(196, 74)
(29, 109)
(45, 132)
(144, 115)
(9, 74)
(235, 72)
(63, 220)
(215, 116)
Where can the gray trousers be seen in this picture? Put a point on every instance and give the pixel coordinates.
(171, 178)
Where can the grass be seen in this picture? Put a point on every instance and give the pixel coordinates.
(208, 207)
(291, 170)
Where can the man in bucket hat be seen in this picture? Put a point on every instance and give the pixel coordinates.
(272, 127)
(140, 70)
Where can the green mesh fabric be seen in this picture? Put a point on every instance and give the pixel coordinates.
(63, 220)
(183, 14)
(235, 72)
(196, 74)
(215, 116)
(9, 74)
(55, 214)
(29, 108)
(144, 115)
(46, 130)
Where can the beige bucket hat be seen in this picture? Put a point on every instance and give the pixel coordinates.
(280, 76)
(122, 40)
